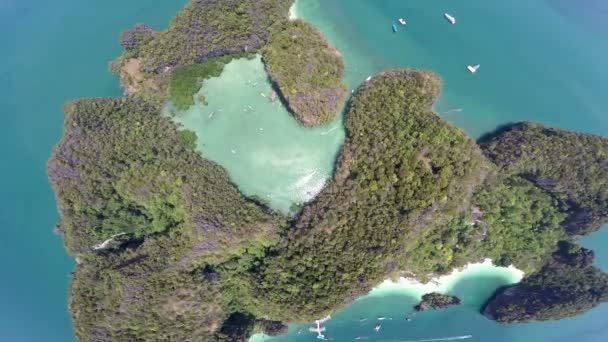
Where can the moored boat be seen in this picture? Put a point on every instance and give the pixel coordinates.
(450, 18)
(402, 21)
(473, 68)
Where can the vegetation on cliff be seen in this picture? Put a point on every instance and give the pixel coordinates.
(566, 286)
(122, 168)
(188, 80)
(571, 166)
(402, 168)
(512, 222)
(168, 249)
(307, 71)
(436, 301)
(211, 28)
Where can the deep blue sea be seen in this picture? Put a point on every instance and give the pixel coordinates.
(541, 60)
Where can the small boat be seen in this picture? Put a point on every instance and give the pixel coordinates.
(262, 94)
(402, 21)
(450, 18)
(377, 327)
(233, 151)
(368, 78)
(473, 68)
(395, 28)
(210, 115)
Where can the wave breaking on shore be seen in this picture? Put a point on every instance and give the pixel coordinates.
(445, 283)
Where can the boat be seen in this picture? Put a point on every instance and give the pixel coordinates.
(395, 28)
(210, 115)
(402, 21)
(473, 68)
(450, 18)
(319, 329)
(377, 327)
(368, 78)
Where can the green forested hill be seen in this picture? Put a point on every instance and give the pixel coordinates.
(401, 169)
(308, 72)
(169, 249)
(571, 166)
(566, 286)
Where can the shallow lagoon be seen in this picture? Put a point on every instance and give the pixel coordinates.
(266, 152)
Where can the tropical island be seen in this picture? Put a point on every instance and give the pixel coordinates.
(436, 301)
(307, 71)
(167, 248)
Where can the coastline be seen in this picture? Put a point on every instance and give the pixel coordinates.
(293, 11)
(443, 284)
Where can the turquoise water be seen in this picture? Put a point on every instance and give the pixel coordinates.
(540, 60)
(52, 51)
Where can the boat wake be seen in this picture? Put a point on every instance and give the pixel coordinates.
(455, 338)
(452, 111)
(329, 131)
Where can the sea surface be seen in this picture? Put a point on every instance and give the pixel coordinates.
(541, 60)
(51, 52)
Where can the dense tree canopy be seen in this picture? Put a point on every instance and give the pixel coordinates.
(123, 168)
(566, 286)
(510, 221)
(436, 301)
(308, 72)
(572, 166)
(168, 249)
(402, 168)
(212, 28)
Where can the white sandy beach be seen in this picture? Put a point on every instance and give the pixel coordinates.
(293, 11)
(444, 283)
(441, 284)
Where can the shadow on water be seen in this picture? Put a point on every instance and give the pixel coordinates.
(474, 291)
(486, 137)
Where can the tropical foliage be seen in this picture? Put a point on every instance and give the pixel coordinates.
(188, 80)
(401, 169)
(571, 166)
(566, 286)
(210, 28)
(168, 249)
(308, 72)
(436, 301)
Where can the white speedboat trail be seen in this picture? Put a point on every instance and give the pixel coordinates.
(329, 131)
(455, 338)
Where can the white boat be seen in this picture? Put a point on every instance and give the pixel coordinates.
(377, 327)
(319, 329)
(402, 21)
(450, 18)
(368, 78)
(473, 68)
